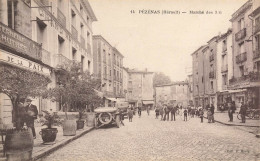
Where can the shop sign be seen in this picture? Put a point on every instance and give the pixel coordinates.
(19, 43)
(23, 63)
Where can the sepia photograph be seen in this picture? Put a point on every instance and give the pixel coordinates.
(130, 80)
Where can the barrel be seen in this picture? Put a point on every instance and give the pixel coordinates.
(90, 119)
(19, 144)
(69, 127)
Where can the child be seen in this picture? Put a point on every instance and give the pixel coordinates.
(201, 113)
(209, 115)
(185, 112)
(156, 113)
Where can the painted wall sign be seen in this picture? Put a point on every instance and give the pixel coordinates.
(23, 63)
(18, 42)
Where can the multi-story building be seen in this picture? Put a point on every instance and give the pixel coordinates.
(140, 88)
(125, 83)
(245, 48)
(190, 89)
(198, 74)
(108, 66)
(118, 73)
(46, 36)
(224, 70)
(175, 93)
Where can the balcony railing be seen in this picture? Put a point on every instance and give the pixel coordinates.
(61, 18)
(74, 32)
(46, 57)
(240, 34)
(82, 41)
(211, 74)
(62, 62)
(241, 58)
(251, 77)
(224, 68)
(256, 54)
(211, 57)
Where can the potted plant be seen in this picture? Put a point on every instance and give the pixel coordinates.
(50, 119)
(80, 121)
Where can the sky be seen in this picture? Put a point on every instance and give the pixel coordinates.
(161, 42)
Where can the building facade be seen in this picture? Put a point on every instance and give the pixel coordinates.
(46, 37)
(140, 88)
(108, 66)
(190, 89)
(245, 22)
(175, 93)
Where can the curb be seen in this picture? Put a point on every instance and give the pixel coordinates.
(59, 145)
(232, 124)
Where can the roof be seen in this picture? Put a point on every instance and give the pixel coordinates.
(242, 9)
(115, 49)
(89, 9)
(198, 49)
(139, 71)
(229, 31)
(255, 12)
(101, 37)
(215, 37)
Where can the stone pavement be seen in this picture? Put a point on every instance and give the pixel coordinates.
(147, 138)
(222, 117)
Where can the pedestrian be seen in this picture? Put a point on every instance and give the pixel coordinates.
(192, 112)
(201, 113)
(231, 110)
(161, 112)
(148, 110)
(20, 113)
(130, 115)
(242, 112)
(212, 109)
(30, 115)
(173, 111)
(185, 112)
(139, 111)
(166, 113)
(209, 116)
(156, 112)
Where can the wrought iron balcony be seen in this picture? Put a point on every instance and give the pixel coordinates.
(62, 62)
(241, 58)
(211, 57)
(74, 32)
(61, 18)
(211, 74)
(240, 34)
(82, 41)
(46, 57)
(251, 77)
(224, 68)
(256, 54)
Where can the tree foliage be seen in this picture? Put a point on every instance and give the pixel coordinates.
(76, 89)
(160, 79)
(19, 83)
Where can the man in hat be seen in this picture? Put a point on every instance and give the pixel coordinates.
(31, 113)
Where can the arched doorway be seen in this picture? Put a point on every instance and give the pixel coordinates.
(6, 108)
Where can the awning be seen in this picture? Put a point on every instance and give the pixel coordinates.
(148, 102)
(111, 99)
(233, 91)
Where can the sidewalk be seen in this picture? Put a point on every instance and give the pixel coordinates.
(40, 150)
(222, 117)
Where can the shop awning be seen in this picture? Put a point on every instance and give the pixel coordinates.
(148, 102)
(111, 99)
(232, 91)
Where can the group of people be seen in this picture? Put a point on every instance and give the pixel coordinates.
(26, 114)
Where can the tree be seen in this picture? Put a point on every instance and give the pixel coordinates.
(19, 83)
(77, 89)
(160, 79)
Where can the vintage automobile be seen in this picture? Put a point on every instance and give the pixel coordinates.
(110, 115)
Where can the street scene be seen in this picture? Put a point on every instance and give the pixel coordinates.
(147, 138)
(129, 80)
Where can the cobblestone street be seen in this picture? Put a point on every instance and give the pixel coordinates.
(147, 138)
